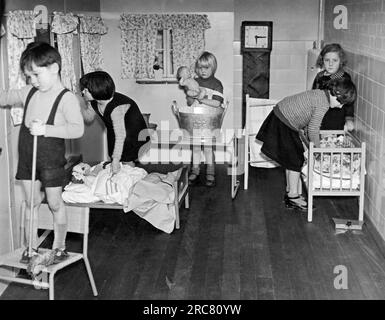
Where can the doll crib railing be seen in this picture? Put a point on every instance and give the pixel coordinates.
(358, 148)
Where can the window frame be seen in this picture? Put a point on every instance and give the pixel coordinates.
(167, 50)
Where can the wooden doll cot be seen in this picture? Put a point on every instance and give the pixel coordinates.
(336, 170)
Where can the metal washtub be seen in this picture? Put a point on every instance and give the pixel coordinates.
(199, 121)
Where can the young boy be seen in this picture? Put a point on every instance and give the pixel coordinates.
(280, 132)
(52, 113)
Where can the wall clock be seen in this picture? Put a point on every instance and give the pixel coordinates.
(256, 45)
(256, 35)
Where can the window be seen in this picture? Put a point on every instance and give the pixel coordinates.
(154, 45)
(163, 61)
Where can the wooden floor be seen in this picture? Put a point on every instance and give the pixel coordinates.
(247, 248)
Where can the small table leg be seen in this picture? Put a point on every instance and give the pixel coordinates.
(234, 160)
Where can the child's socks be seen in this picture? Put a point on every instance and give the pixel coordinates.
(60, 234)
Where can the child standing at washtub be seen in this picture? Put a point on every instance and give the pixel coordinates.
(280, 132)
(205, 68)
(332, 60)
(52, 113)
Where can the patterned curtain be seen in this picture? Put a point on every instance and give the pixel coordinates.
(138, 37)
(65, 26)
(20, 31)
(91, 30)
(188, 45)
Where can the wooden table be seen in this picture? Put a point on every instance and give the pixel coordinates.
(174, 140)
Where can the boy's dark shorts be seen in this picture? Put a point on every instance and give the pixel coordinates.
(49, 177)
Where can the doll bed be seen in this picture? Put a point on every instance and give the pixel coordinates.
(336, 168)
(180, 188)
(78, 222)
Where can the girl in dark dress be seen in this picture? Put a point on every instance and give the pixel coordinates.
(332, 61)
(280, 132)
(126, 127)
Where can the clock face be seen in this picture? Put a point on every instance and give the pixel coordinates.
(256, 37)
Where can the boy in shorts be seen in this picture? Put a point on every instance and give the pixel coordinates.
(52, 113)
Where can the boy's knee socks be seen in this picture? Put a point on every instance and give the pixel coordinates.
(34, 232)
(210, 169)
(60, 234)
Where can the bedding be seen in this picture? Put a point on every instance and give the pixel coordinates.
(336, 169)
(150, 195)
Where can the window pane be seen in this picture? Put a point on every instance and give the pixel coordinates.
(158, 62)
(170, 54)
(171, 63)
(159, 40)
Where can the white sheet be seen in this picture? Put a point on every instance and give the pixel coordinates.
(150, 196)
(152, 199)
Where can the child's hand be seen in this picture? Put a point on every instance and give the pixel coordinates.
(37, 128)
(349, 125)
(115, 166)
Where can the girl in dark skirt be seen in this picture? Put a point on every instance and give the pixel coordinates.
(303, 112)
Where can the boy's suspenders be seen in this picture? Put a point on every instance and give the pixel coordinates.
(52, 114)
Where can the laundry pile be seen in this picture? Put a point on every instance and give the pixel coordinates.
(150, 195)
(92, 184)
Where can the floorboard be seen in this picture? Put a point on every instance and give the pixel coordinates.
(249, 248)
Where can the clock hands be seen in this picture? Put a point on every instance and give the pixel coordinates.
(259, 37)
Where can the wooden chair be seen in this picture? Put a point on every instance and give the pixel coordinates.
(256, 111)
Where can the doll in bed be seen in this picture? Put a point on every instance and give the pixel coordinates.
(84, 173)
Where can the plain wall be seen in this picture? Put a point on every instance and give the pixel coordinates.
(165, 6)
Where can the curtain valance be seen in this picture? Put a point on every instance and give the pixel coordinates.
(163, 21)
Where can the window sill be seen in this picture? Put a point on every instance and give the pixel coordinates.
(154, 81)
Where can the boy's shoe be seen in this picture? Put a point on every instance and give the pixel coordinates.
(24, 256)
(211, 181)
(60, 255)
(296, 203)
(192, 179)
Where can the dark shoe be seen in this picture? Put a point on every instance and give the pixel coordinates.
(24, 256)
(60, 255)
(296, 203)
(210, 180)
(192, 179)
(286, 196)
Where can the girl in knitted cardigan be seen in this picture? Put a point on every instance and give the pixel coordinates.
(303, 112)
